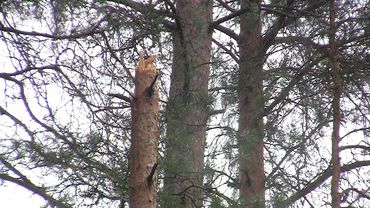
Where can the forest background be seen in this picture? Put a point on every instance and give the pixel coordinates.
(262, 103)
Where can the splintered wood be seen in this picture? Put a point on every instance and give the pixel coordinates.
(145, 133)
(145, 74)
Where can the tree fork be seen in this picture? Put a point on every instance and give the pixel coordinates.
(143, 159)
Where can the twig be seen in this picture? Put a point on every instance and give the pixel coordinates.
(120, 96)
(226, 18)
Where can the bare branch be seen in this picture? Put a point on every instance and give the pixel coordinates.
(226, 6)
(89, 32)
(228, 32)
(229, 52)
(120, 96)
(320, 180)
(24, 182)
(226, 18)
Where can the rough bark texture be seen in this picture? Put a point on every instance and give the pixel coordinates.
(336, 110)
(143, 153)
(187, 107)
(251, 105)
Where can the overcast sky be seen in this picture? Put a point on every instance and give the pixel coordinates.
(12, 196)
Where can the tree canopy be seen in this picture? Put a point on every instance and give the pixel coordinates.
(67, 75)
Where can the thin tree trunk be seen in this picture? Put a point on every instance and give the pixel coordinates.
(336, 109)
(143, 152)
(251, 105)
(187, 106)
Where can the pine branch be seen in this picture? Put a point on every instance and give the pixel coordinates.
(320, 180)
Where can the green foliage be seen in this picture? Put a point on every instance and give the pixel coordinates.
(66, 127)
(216, 202)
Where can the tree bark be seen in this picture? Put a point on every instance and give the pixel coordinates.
(187, 106)
(251, 106)
(143, 152)
(335, 181)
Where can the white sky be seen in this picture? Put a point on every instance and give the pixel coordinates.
(13, 196)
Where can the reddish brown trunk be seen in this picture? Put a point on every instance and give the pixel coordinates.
(336, 110)
(143, 152)
(251, 105)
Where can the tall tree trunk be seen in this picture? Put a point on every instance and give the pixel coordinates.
(251, 105)
(144, 129)
(187, 106)
(336, 109)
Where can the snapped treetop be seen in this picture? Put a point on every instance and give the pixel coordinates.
(146, 63)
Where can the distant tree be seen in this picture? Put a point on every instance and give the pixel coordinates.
(337, 88)
(296, 91)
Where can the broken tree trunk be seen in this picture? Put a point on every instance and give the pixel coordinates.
(144, 141)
